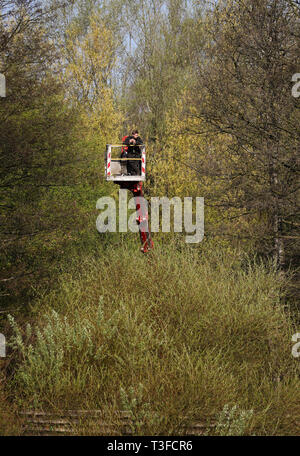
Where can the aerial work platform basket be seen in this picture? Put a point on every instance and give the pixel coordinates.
(117, 172)
(116, 167)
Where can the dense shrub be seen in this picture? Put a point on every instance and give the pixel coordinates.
(173, 337)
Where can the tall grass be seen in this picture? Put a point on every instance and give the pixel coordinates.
(9, 425)
(172, 337)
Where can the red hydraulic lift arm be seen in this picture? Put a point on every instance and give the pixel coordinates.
(142, 218)
(136, 189)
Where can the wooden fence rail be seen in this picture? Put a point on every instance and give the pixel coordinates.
(90, 422)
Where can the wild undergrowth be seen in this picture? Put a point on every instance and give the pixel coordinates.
(172, 337)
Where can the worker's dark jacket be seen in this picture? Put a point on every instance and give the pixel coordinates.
(134, 151)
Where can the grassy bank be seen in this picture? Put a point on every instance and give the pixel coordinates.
(172, 337)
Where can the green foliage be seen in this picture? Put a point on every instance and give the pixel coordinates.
(61, 355)
(142, 418)
(233, 421)
(9, 422)
(185, 333)
(50, 173)
(196, 331)
(243, 94)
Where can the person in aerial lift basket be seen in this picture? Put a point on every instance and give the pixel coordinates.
(132, 150)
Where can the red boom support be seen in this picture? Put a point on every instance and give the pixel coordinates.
(141, 208)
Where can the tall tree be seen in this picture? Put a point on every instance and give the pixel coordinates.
(243, 92)
(36, 150)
